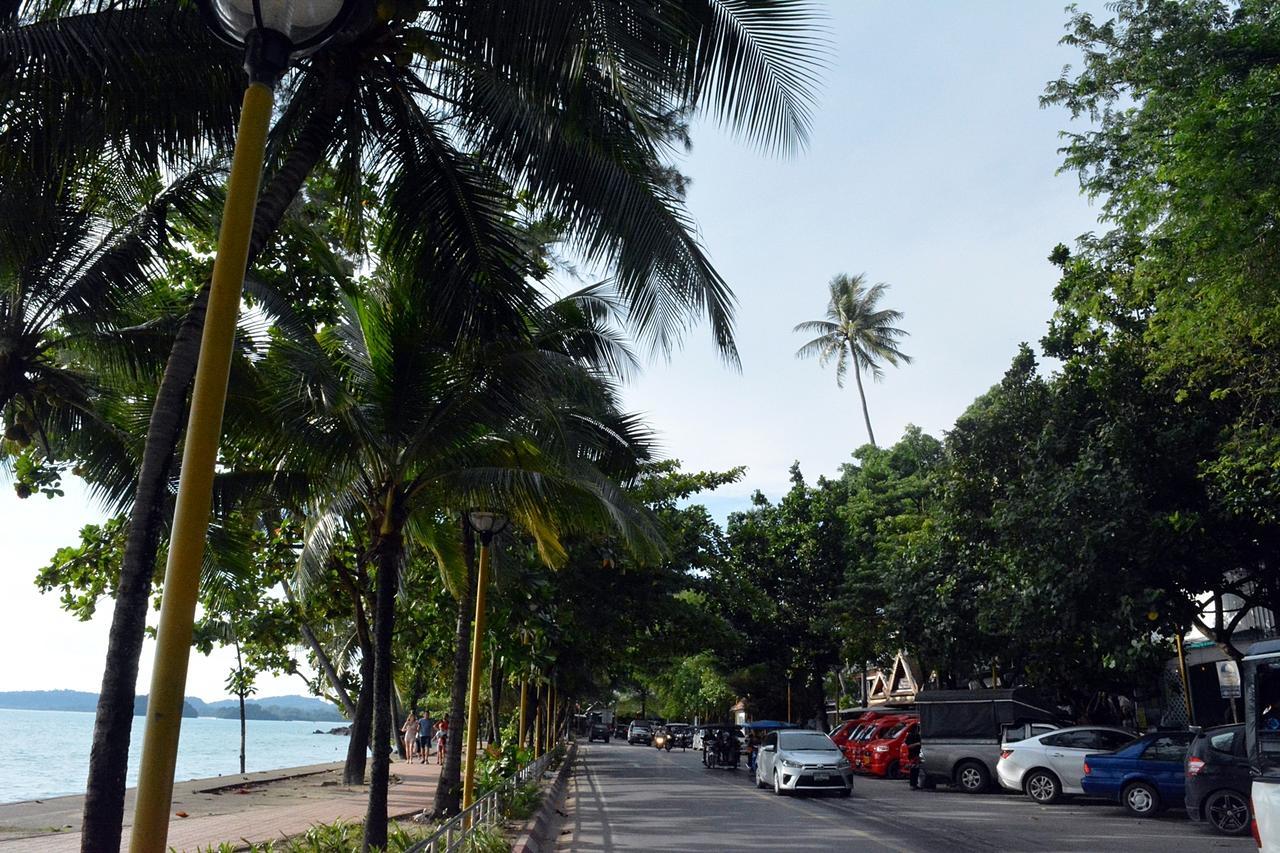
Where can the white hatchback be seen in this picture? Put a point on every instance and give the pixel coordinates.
(1046, 766)
(802, 760)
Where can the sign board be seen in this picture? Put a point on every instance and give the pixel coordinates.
(1228, 679)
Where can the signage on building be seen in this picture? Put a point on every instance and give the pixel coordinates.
(1228, 679)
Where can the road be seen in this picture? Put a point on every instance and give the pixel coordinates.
(636, 798)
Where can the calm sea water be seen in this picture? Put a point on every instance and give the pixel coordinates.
(46, 753)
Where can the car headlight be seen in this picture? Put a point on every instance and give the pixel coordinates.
(787, 762)
(881, 749)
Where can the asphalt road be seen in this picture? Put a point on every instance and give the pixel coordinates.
(636, 798)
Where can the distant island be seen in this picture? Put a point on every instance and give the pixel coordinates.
(269, 708)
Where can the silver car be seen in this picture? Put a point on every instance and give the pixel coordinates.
(802, 760)
(1046, 766)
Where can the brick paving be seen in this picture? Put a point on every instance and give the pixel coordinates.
(238, 809)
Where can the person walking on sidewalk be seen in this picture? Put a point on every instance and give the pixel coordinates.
(442, 738)
(410, 732)
(424, 736)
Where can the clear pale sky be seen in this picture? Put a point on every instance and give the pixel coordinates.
(931, 168)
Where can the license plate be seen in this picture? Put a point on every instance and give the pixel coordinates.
(821, 777)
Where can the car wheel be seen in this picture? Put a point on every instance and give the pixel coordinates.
(972, 777)
(891, 772)
(1141, 799)
(1228, 812)
(760, 783)
(1042, 786)
(777, 785)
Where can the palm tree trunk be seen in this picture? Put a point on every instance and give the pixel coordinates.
(448, 799)
(109, 754)
(375, 822)
(326, 663)
(866, 415)
(361, 723)
(495, 699)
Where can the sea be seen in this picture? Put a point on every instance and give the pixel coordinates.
(46, 753)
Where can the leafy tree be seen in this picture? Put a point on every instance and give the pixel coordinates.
(857, 333)
(574, 105)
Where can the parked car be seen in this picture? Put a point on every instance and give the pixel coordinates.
(599, 730)
(842, 732)
(909, 755)
(640, 731)
(1260, 674)
(1145, 776)
(802, 760)
(883, 756)
(859, 744)
(1218, 780)
(962, 732)
(1047, 766)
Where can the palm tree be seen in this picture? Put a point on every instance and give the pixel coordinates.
(856, 332)
(399, 429)
(576, 104)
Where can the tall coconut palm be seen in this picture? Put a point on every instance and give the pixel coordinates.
(857, 333)
(399, 428)
(577, 104)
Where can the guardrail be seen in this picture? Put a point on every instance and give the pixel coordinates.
(487, 811)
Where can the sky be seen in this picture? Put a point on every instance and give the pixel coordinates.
(930, 167)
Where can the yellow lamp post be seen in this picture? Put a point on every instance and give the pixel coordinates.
(487, 525)
(271, 33)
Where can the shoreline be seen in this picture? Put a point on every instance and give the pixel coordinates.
(259, 806)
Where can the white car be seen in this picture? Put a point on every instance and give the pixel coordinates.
(1046, 766)
(802, 760)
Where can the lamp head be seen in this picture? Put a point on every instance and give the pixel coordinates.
(273, 31)
(488, 524)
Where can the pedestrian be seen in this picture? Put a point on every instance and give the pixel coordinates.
(410, 732)
(442, 738)
(424, 736)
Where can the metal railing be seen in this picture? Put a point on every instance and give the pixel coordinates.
(454, 833)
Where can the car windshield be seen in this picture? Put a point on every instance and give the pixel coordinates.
(806, 740)
(896, 730)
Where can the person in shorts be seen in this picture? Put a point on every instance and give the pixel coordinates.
(425, 728)
(442, 739)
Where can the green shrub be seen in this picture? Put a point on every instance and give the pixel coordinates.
(521, 803)
(340, 837)
(487, 839)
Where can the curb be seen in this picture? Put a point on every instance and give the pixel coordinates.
(533, 837)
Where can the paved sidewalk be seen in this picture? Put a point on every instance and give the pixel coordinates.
(254, 807)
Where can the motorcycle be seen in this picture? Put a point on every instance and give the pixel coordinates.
(721, 748)
(662, 739)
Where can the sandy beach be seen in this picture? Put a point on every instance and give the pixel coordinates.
(253, 807)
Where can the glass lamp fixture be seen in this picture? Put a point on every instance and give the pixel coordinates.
(271, 32)
(487, 524)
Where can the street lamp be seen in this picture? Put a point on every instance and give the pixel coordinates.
(488, 525)
(271, 32)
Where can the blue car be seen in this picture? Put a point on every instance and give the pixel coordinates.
(1145, 775)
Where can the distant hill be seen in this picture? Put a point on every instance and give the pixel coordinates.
(71, 700)
(269, 708)
(268, 711)
(49, 700)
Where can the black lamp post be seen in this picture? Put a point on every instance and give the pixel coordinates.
(271, 32)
